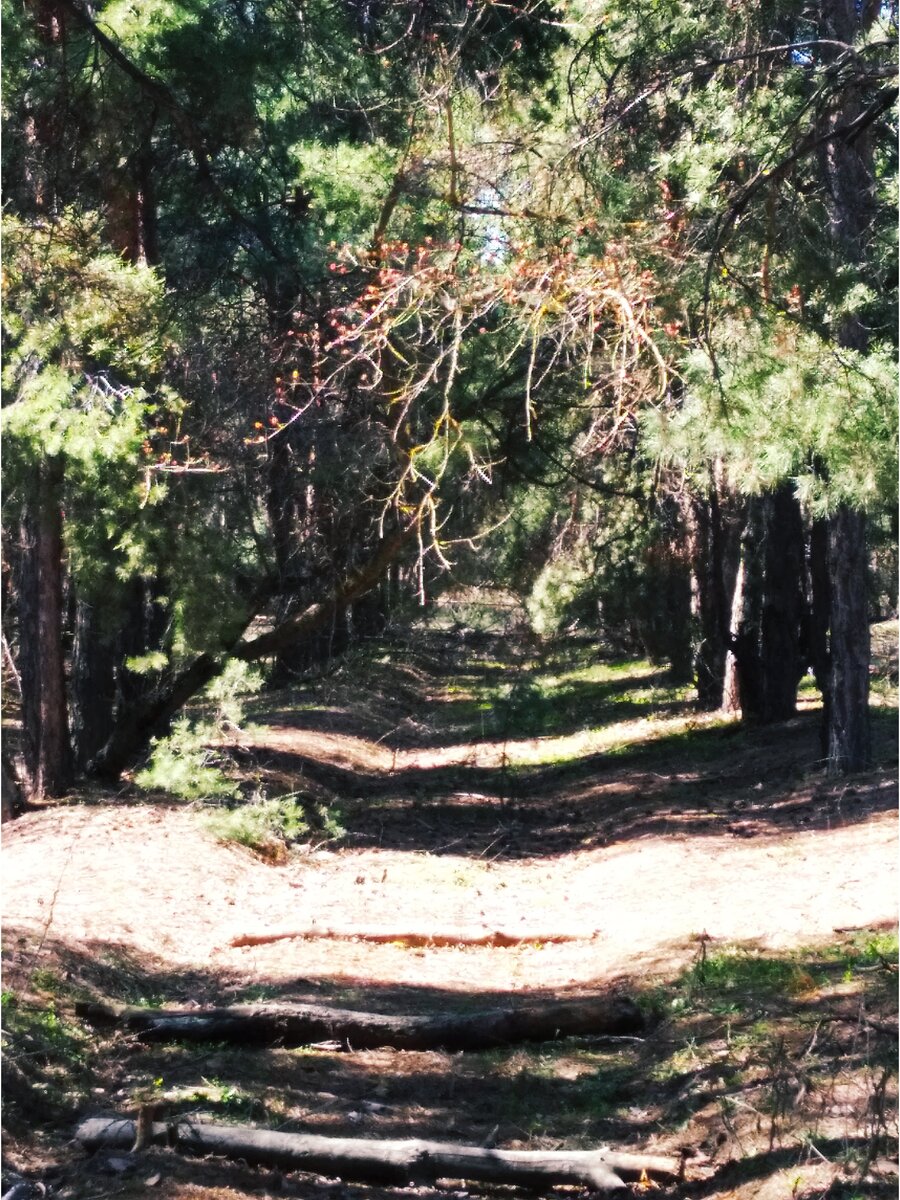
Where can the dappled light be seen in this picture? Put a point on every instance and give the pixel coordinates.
(449, 600)
(469, 839)
(441, 863)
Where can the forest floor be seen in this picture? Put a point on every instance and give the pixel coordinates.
(463, 781)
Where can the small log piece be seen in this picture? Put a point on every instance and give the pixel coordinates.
(494, 938)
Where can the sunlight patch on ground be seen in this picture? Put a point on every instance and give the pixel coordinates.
(545, 751)
(361, 754)
(334, 749)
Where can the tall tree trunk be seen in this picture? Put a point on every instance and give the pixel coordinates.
(820, 620)
(93, 683)
(767, 638)
(849, 737)
(731, 695)
(745, 642)
(782, 616)
(715, 564)
(848, 173)
(48, 750)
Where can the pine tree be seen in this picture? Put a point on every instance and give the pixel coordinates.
(764, 137)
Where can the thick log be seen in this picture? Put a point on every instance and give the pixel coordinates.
(415, 937)
(400, 1163)
(303, 1024)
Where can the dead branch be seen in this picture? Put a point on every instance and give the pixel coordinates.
(389, 1162)
(305, 1024)
(419, 937)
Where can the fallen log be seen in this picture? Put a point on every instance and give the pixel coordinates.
(303, 1024)
(366, 1160)
(414, 937)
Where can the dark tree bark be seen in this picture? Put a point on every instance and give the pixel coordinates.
(731, 696)
(664, 602)
(93, 684)
(715, 558)
(820, 620)
(302, 1024)
(848, 173)
(143, 631)
(39, 566)
(745, 641)
(48, 752)
(849, 737)
(28, 658)
(678, 610)
(767, 640)
(783, 609)
(54, 767)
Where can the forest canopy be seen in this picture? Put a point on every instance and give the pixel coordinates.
(315, 307)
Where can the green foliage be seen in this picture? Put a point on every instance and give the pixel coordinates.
(520, 710)
(561, 592)
(86, 338)
(228, 690)
(44, 1062)
(870, 949)
(739, 972)
(270, 827)
(189, 763)
(784, 404)
(83, 350)
(185, 765)
(735, 979)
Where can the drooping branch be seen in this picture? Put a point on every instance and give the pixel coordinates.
(313, 618)
(131, 737)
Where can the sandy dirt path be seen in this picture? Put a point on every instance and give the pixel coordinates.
(152, 881)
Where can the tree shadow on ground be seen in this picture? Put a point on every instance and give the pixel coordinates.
(760, 1167)
(582, 1091)
(513, 709)
(473, 790)
(725, 781)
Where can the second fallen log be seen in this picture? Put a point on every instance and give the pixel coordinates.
(303, 1024)
(399, 1163)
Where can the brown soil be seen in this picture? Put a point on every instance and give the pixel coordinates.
(634, 856)
(149, 880)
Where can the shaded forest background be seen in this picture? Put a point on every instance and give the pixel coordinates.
(313, 307)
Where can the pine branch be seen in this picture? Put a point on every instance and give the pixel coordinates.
(163, 96)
